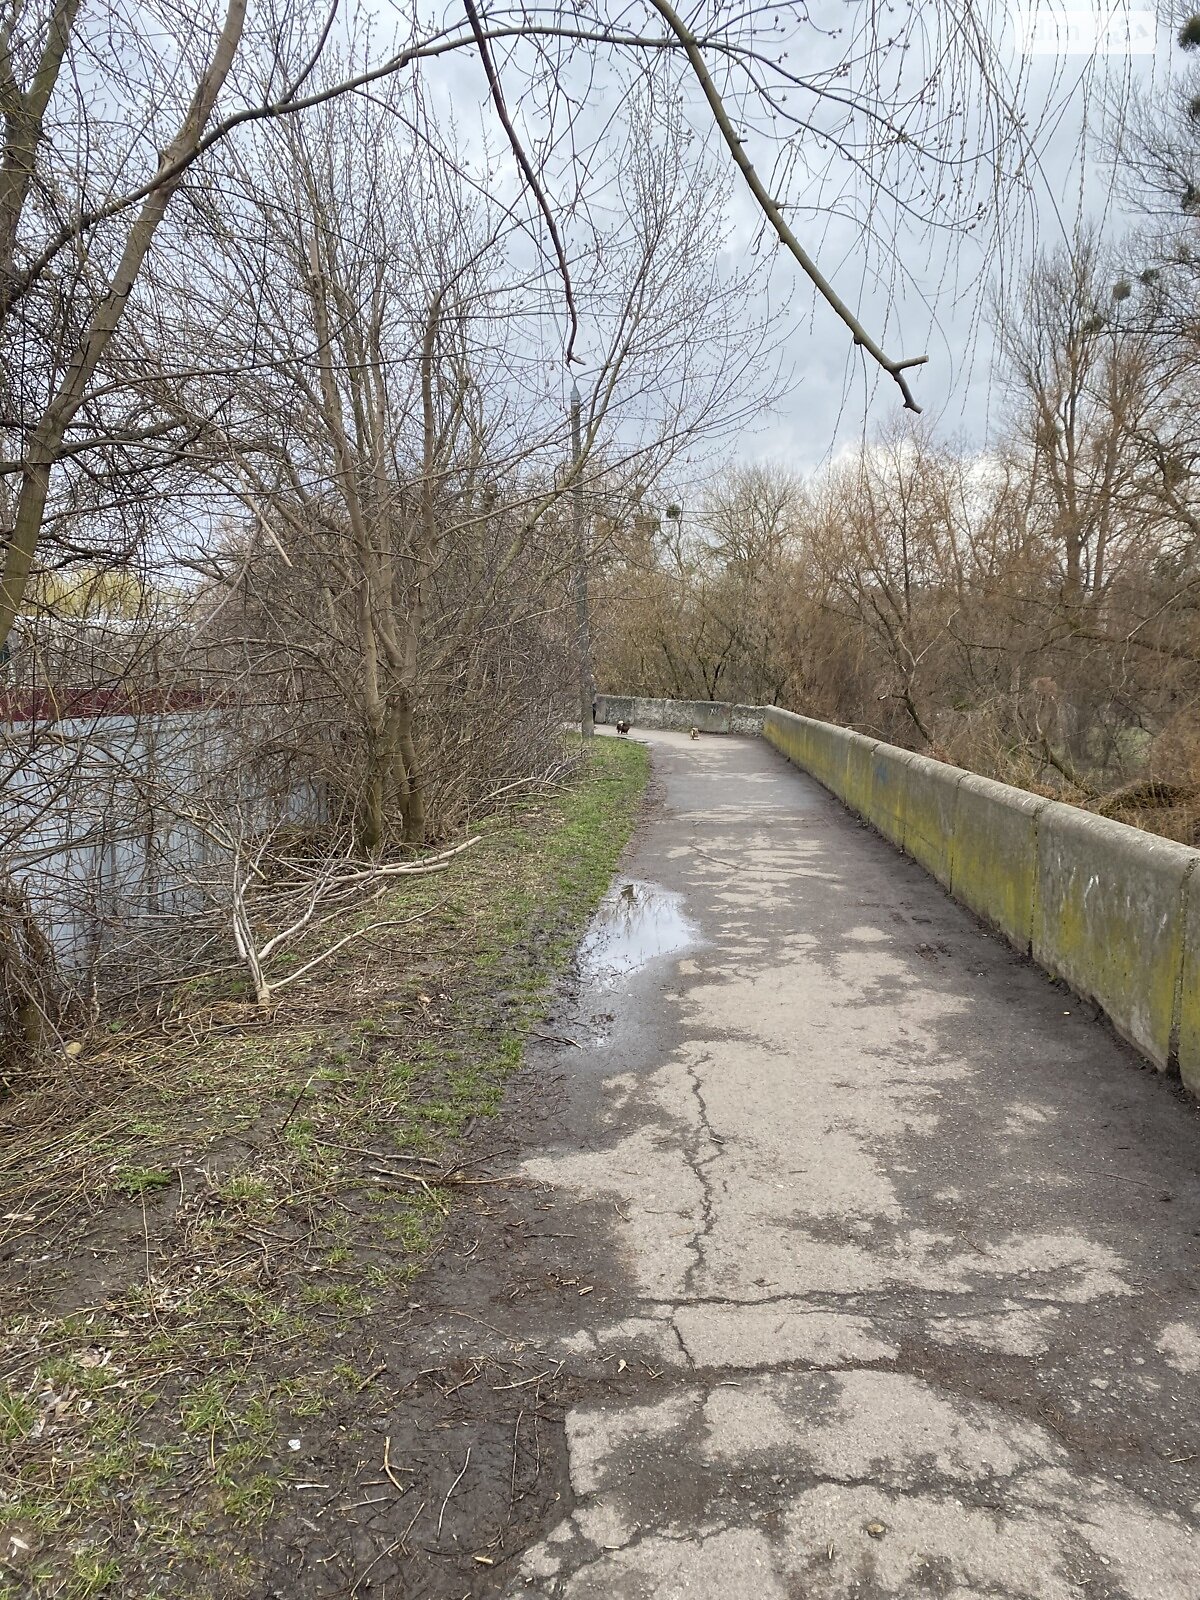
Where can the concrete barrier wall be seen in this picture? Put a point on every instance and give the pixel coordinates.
(1189, 1008)
(710, 716)
(994, 854)
(1111, 910)
(1109, 919)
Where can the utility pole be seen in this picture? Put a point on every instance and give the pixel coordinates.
(583, 621)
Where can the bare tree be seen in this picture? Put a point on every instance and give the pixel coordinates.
(1089, 394)
(402, 491)
(79, 212)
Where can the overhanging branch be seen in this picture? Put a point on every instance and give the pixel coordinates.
(770, 208)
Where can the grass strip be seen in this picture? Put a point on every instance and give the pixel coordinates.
(186, 1244)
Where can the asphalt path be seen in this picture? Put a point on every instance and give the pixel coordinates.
(888, 1247)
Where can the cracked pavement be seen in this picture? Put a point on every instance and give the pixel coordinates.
(886, 1248)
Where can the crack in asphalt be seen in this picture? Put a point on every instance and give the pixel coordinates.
(821, 1299)
(671, 1323)
(644, 1531)
(698, 1167)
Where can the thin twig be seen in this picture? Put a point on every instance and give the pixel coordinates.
(409, 1529)
(441, 1179)
(526, 166)
(362, 1577)
(498, 1387)
(1102, 1172)
(512, 1482)
(295, 1106)
(387, 1466)
(451, 1490)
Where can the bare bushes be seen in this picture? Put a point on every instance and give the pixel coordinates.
(493, 728)
(484, 717)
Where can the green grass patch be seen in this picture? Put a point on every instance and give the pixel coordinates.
(145, 1434)
(133, 1181)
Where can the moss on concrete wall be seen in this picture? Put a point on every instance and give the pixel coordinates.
(1111, 910)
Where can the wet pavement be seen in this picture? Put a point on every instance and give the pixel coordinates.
(871, 1257)
(636, 923)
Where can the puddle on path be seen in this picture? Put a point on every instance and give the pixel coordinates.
(634, 923)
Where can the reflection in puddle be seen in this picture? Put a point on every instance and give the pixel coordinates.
(635, 923)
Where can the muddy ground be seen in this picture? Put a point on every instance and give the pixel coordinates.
(213, 1229)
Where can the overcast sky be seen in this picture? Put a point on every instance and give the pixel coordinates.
(919, 287)
(837, 397)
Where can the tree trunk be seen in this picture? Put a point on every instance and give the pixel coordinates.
(414, 809)
(372, 809)
(28, 972)
(72, 390)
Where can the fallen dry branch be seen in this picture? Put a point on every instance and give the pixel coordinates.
(315, 894)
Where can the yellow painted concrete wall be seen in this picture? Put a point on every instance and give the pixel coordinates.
(1111, 910)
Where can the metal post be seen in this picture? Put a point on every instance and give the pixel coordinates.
(583, 622)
